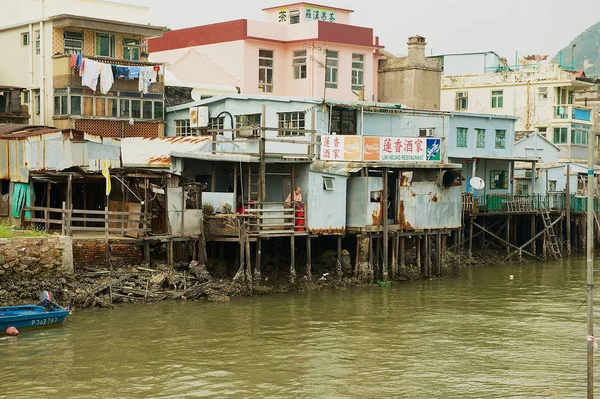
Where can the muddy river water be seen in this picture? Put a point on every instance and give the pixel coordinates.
(478, 335)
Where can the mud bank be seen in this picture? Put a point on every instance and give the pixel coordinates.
(106, 288)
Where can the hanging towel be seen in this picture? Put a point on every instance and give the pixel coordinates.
(134, 73)
(121, 72)
(153, 75)
(106, 78)
(91, 70)
(79, 61)
(145, 77)
(21, 198)
(73, 61)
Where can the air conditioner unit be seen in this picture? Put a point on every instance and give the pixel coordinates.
(198, 117)
(427, 132)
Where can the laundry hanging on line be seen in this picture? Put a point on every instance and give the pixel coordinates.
(92, 71)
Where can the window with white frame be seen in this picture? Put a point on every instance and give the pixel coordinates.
(328, 183)
(216, 123)
(291, 120)
(299, 64)
(358, 71)
(105, 45)
(294, 17)
(462, 100)
(183, 127)
(131, 49)
(542, 93)
(37, 42)
(25, 39)
(265, 71)
(250, 124)
(73, 42)
(331, 69)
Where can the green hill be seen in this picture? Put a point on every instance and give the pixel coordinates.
(586, 54)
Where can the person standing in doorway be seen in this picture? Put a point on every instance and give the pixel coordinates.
(297, 197)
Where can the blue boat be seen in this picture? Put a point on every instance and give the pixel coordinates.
(28, 316)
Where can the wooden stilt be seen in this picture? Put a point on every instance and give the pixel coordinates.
(439, 253)
(242, 240)
(532, 227)
(308, 259)
(292, 259)
(257, 262)
(248, 260)
(339, 258)
(170, 254)
(384, 266)
(377, 257)
(402, 251)
(147, 251)
(46, 214)
(394, 259)
(508, 235)
(418, 253)
(371, 256)
(471, 236)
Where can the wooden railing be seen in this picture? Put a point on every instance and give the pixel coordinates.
(70, 220)
(276, 218)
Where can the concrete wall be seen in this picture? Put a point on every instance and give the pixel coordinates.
(483, 167)
(36, 256)
(535, 146)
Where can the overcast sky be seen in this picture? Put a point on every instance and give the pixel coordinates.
(449, 26)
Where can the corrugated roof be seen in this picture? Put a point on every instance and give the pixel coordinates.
(155, 152)
(8, 128)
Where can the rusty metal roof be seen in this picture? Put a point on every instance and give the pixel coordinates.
(155, 152)
(8, 128)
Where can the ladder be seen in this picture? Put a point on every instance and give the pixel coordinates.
(253, 184)
(549, 232)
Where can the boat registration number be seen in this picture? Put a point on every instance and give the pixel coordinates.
(43, 322)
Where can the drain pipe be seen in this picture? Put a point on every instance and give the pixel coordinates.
(31, 83)
(42, 68)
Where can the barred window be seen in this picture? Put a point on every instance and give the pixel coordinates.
(291, 120)
(461, 137)
(183, 128)
(500, 139)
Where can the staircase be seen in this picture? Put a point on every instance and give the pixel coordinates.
(549, 232)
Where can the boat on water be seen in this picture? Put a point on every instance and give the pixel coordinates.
(46, 313)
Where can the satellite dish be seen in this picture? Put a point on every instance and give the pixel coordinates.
(477, 183)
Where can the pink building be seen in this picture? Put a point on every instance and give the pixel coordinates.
(303, 49)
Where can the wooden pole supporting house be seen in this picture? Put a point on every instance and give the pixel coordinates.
(520, 249)
(418, 252)
(427, 255)
(308, 259)
(263, 178)
(339, 258)
(508, 234)
(213, 177)
(249, 189)
(248, 259)
(257, 262)
(371, 255)
(147, 251)
(170, 254)
(568, 208)
(533, 246)
(439, 252)
(46, 213)
(235, 194)
(292, 258)
(182, 208)
(384, 267)
(70, 193)
(502, 240)
(402, 251)
(242, 240)
(394, 263)
(377, 247)
(471, 236)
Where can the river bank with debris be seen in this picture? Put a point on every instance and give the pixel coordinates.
(191, 282)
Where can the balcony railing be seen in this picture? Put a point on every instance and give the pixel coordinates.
(495, 203)
(572, 113)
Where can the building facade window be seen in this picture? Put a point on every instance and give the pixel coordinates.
(358, 71)
(216, 123)
(498, 179)
(579, 134)
(497, 98)
(73, 42)
(37, 42)
(291, 120)
(25, 39)
(331, 69)
(26, 97)
(462, 100)
(131, 49)
(250, 123)
(560, 135)
(461, 137)
(480, 133)
(265, 71)
(500, 139)
(299, 64)
(542, 93)
(105, 45)
(183, 128)
(60, 105)
(343, 121)
(294, 17)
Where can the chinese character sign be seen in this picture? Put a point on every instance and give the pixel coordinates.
(341, 148)
(359, 148)
(319, 14)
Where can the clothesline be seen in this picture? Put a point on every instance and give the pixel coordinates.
(92, 71)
